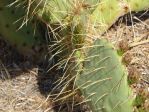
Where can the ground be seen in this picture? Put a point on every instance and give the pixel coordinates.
(24, 89)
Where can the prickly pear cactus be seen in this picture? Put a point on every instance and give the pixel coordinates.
(102, 78)
(103, 81)
(27, 40)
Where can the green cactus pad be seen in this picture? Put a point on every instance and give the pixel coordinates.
(107, 12)
(138, 5)
(103, 81)
(27, 39)
(58, 11)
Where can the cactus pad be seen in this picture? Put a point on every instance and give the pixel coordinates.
(28, 39)
(103, 80)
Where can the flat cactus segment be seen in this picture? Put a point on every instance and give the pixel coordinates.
(107, 12)
(105, 15)
(27, 39)
(138, 5)
(103, 80)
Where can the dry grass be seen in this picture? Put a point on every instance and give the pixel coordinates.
(134, 40)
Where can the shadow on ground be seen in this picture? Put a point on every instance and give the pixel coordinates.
(12, 65)
(133, 18)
